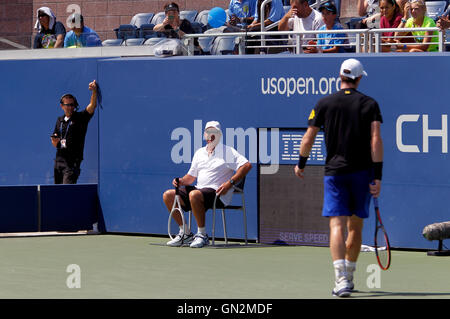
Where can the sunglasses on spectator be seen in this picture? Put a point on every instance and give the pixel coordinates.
(42, 15)
(69, 104)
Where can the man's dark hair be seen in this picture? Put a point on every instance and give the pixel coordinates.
(171, 6)
(348, 80)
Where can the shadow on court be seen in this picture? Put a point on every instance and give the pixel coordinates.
(400, 294)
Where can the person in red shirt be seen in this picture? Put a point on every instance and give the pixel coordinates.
(390, 18)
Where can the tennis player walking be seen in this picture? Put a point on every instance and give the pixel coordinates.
(351, 122)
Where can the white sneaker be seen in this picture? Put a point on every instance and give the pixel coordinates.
(342, 289)
(181, 239)
(200, 240)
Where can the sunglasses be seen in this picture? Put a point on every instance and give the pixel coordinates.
(42, 15)
(69, 104)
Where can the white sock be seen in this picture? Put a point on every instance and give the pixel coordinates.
(201, 230)
(340, 270)
(350, 267)
(186, 229)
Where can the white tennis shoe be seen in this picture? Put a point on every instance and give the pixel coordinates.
(181, 239)
(342, 288)
(200, 240)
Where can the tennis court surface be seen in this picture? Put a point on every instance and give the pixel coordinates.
(116, 266)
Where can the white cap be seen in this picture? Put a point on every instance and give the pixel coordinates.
(214, 124)
(352, 69)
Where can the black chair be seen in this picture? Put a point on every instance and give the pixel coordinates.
(126, 31)
(238, 189)
(146, 31)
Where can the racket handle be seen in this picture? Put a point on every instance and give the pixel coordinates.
(375, 201)
(177, 180)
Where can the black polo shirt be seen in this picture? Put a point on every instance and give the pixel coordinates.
(74, 131)
(346, 118)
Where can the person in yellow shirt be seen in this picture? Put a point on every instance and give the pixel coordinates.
(418, 19)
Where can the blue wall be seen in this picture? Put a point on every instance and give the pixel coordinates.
(146, 100)
(29, 105)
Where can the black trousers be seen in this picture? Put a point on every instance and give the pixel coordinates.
(66, 172)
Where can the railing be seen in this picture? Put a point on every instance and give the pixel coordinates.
(359, 40)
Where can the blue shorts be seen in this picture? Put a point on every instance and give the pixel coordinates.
(347, 195)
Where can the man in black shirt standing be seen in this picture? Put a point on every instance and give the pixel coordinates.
(351, 122)
(69, 135)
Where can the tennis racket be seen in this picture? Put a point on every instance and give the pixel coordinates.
(176, 209)
(382, 247)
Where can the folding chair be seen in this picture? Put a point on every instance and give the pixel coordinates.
(237, 189)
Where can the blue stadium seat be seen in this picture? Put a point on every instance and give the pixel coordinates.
(198, 27)
(146, 31)
(152, 41)
(158, 18)
(435, 9)
(126, 31)
(141, 18)
(133, 42)
(223, 45)
(112, 42)
(189, 15)
(202, 17)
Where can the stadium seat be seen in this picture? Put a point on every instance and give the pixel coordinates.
(112, 42)
(202, 17)
(223, 45)
(126, 31)
(152, 41)
(158, 18)
(133, 42)
(189, 15)
(435, 9)
(146, 31)
(141, 18)
(238, 190)
(198, 27)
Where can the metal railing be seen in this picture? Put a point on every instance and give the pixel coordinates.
(359, 40)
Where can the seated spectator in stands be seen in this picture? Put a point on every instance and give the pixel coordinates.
(80, 35)
(172, 25)
(273, 12)
(51, 33)
(418, 19)
(401, 5)
(390, 18)
(301, 17)
(328, 42)
(241, 12)
(369, 10)
(444, 20)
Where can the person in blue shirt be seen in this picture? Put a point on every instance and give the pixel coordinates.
(241, 12)
(273, 12)
(80, 35)
(328, 42)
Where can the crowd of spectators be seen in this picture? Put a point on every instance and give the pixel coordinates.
(244, 15)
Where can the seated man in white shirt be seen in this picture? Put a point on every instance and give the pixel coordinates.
(301, 17)
(216, 167)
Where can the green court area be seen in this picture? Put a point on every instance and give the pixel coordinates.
(114, 266)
